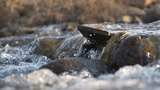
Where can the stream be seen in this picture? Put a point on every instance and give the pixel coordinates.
(22, 56)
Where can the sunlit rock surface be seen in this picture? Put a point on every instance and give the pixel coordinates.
(20, 63)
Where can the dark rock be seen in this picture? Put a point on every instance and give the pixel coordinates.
(95, 67)
(152, 14)
(64, 65)
(137, 3)
(125, 50)
(95, 36)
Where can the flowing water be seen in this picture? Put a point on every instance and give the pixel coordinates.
(19, 63)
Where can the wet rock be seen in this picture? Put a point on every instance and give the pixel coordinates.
(95, 36)
(152, 13)
(123, 50)
(64, 65)
(47, 46)
(156, 40)
(95, 67)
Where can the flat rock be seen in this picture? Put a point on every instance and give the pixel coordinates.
(95, 36)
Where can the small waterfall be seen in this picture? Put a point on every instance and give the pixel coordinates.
(77, 46)
(70, 46)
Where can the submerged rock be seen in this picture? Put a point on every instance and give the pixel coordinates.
(123, 49)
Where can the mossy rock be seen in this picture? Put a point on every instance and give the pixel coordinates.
(123, 49)
(48, 46)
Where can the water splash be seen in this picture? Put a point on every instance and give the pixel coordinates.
(17, 60)
(70, 46)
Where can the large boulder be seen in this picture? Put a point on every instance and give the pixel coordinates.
(123, 49)
(152, 13)
(138, 3)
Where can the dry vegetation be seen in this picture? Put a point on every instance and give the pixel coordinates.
(38, 12)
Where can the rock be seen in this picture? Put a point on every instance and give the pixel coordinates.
(156, 40)
(133, 15)
(64, 65)
(138, 3)
(152, 14)
(123, 50)
(95, 36)
(47, 46)
(95, 67)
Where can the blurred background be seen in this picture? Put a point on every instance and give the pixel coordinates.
(43, 12)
